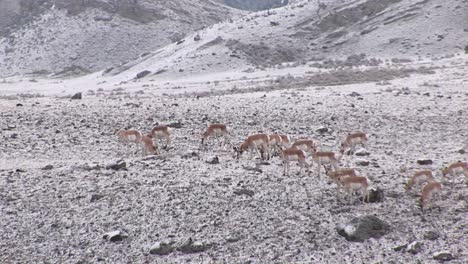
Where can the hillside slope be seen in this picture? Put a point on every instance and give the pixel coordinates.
(309, 31)
(53, 35)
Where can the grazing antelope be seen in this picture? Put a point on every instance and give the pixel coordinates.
(257, 142)
(127, 136)
(352, 140)
(148, 146)
(351, 184)
(306, 145)
(215, 130)
(278, 142)
(455, 169)
(325, 158)
(419, 178)
(293, 154)
(162, 132)
(342, 172)
(428, 192)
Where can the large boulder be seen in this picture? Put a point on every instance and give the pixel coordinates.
(360, 229)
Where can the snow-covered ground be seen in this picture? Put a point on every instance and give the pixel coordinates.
(61, 214)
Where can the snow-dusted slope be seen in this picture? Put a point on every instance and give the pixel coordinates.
(315, 30)
(55, 35)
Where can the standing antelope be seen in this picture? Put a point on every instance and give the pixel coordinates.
(162, 132)
(455, 169)
(148, 146)
(354, 183)
(306, 145)
(258, 142)
(428, 192)
(419, 178)
(325, 158)
(352, 140)
(215, 130)
(293, 154)
(278, 142)
(342, 172)
(127, 136)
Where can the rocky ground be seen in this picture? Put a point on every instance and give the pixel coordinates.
(62, 202)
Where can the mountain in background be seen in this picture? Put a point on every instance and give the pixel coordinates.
(85, 36)
(354, 32)
(255, 5)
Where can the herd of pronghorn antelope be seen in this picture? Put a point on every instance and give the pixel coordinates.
(269, 145)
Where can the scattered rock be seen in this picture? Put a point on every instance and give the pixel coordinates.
(18, 104)
(142, 74)
(233, 238)
(190, 154)
(462, 151)
(362, 162)
(424, 161)
(77, 96)
(190, 247)
(414, 247)
(96, 197)
(245, 192)
(249, 168)
(431, 235)
(361, 152)
(375, 195)
(322, 130)
(360, 229)
(115, 236)
(48, 167)
(197, 37)
(443, 256)
(14, 136)
(177, 124)
(162, 248)
(118, 165)
(213, 160)
(274, 23)
(354, 94)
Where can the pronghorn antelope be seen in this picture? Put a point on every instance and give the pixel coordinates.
(455, 169)
(127, 136)
(277, 142)
(215, 130)
(354, 183)
(325, 158)
(293, 154)
(342, 172)
(148, 146)
(428, 191)
(162, 132)
(257, 142)
(352, 140)
(419, 178)
(306, 145)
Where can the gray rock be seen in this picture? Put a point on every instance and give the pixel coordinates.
(48, 167)
(96, 197)
(142, 74)
(361, 152)
(414, 247)
(244, 192)
(213, 160)
(461, 151)
(115, 236)
(360, 229)
(375, 195)
(424, 161)
(162, 248)
(77, 96)
(443, 256)
(431, 235)
(362, 162)
(354, 94)
(177, 124)
(322, 130)
(118, 165)
(190, 247)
